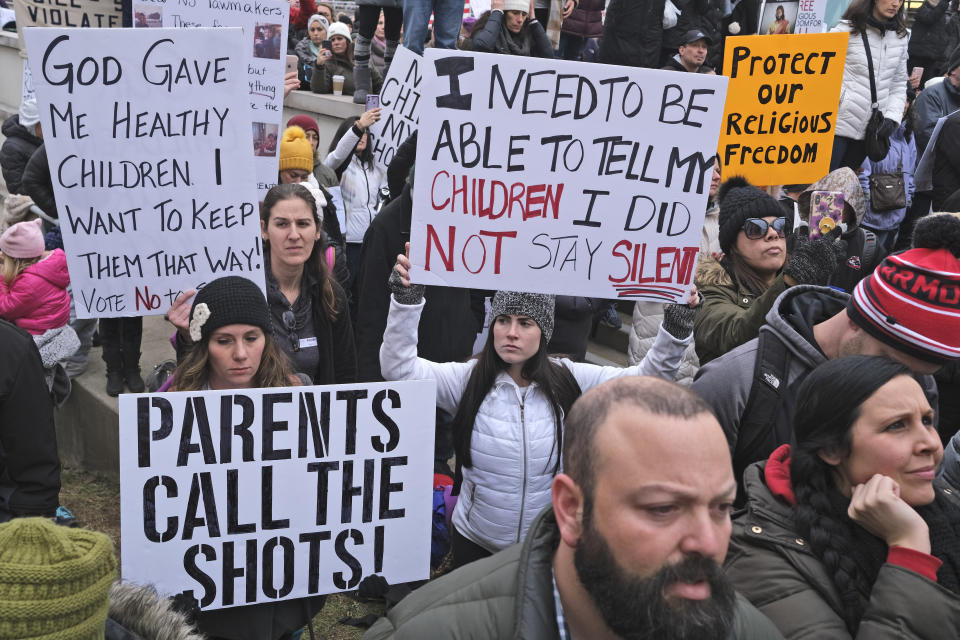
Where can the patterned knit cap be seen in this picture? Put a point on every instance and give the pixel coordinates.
(295, 150)
(225, 301)
(912, 300)
(738, 201)
(54, 581)
(538, 306)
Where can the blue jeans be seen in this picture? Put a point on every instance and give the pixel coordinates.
(447, 20)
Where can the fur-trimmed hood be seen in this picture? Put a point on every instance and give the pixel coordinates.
(711, 272)
(843, 180)
(143, 612)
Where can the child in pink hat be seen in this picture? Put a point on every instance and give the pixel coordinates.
(33, 286)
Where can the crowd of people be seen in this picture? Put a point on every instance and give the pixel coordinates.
(780, 458)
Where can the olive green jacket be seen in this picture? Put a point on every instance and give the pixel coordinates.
(730, 316)
(321, 81)
(509, 596)
(774, 568)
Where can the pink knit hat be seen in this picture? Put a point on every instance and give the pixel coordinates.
(23, 240)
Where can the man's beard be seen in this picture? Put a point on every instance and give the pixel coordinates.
(637, 608)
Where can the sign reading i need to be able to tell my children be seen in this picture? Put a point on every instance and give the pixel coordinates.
(780, 116)
(561, 177)
(147, 136)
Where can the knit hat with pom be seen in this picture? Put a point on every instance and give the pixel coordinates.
(54, 581)
(912, 300)
(538, 306)
(740, 200)
(295, 150)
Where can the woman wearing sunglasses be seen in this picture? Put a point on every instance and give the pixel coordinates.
(310, 318)
(740, 287)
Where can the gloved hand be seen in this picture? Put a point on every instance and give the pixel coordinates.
(678, 317)
(405, 293)
(678, 320)
(813, 261)
(888, 127)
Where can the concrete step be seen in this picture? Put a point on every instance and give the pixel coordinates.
(88, 424)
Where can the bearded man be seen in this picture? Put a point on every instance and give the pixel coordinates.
(631, 547)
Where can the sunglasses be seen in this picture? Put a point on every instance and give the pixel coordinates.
(290, 322)
(756, 228)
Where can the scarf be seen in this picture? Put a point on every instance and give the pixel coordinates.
(943, 520)
(314, 50)
(514, 45)
(886, 25)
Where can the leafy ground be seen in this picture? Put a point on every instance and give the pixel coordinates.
(95, 501)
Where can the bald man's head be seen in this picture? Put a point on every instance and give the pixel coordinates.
(654, 396)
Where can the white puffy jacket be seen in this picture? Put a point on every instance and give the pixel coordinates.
(514, 447)
(890, 71)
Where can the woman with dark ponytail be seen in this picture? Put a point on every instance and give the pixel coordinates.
(847, 533)
(509, 403)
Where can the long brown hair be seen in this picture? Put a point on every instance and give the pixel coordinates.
(193, 374)
(316, 262)
(743, 274)
(860, 11)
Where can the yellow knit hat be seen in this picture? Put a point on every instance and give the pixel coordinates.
(295, 150)
(54, 581)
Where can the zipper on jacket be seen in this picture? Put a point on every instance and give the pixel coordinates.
(523, 487)
(473, 501)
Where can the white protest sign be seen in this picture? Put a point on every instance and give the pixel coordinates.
(264, 25)
(147, 138)
(399, 106)
(257, 495)
(923, 176)
(810, 16)
(561, 177)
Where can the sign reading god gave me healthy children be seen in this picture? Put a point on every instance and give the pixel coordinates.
(147, 135)
(559, 177)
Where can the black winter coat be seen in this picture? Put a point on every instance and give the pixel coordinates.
(586, 20)
(633, 33)
(37, 182)
(450, 320)
(928, 35)
(15, 153)
(487, 38)
(29, 465)
(946, 165)
(573, 319)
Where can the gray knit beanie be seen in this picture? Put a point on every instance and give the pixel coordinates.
(538, 306)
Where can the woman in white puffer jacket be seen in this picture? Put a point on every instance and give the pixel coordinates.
(508, 405)
(882, 21)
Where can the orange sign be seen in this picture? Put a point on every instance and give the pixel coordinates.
(780, 115)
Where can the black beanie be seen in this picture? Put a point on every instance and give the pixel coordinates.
(740, 200)
(225, 301)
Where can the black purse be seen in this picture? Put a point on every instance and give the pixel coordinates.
(878, 146)
(888, 191)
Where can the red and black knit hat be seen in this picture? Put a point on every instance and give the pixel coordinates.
(912, 300)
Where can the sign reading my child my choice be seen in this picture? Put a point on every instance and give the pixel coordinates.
(147, 135)
(399, 106)
(560, 177)
(781, 111)
(249, 496)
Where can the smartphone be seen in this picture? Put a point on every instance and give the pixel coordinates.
(826, 212)
(326, 45)
(373, 102)
(292, 62)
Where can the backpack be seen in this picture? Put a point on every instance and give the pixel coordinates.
(758, 435)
